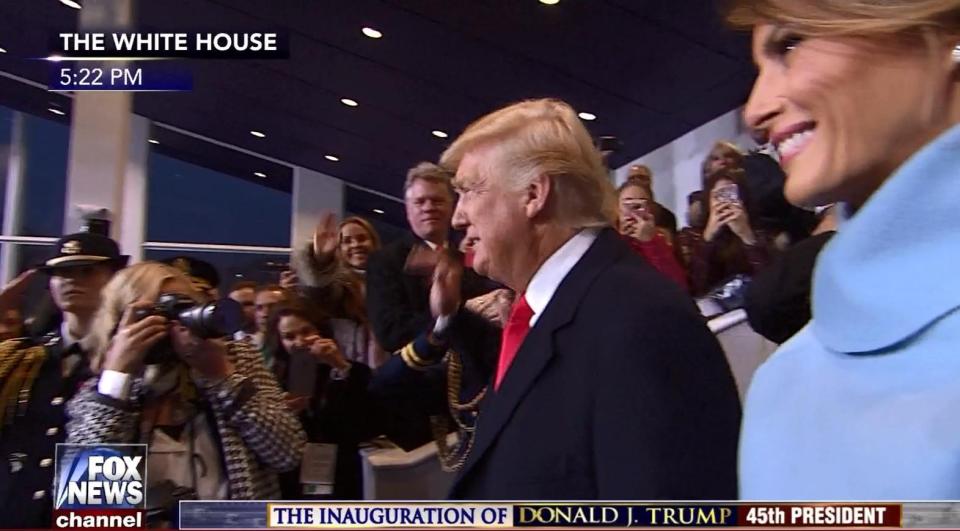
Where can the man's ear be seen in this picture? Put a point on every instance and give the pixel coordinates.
(537, 194)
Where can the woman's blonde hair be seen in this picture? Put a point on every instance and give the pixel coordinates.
(721, 145)
(365, 225)
(545, 137)
(849, 17)
(633, 181)
(138, 282)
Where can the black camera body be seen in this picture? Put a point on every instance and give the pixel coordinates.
(205, 320)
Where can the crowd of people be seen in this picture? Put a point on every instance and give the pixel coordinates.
(549, 318)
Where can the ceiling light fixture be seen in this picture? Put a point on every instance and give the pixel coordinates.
(331, 158)
(3, 50)
(260, 174)
(439, 134)
(71, 3)
(550, 2)
(588, 116)
(56, 111)
(153, 141)
(258, 134)
(372, 33)
(348, 102)
(378, 211)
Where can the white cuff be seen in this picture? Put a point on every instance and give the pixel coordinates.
(115, 384)
(443, 322)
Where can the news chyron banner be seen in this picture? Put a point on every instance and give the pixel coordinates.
(574, 515)
(106, 486)
(97, 486)
(140, 61)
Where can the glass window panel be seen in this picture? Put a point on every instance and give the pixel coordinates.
(44, 176)
(6, 136)
(192, 204)
(232, 267)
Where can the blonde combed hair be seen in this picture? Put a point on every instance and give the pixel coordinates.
(138, 282)
(545, 137)
(430, 172)
(849, 17)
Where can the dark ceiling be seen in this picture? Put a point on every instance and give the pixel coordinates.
(650, 70)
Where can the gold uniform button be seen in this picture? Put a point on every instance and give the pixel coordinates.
(52, 431)
(57, 401)
(38, 495)
(45, 463)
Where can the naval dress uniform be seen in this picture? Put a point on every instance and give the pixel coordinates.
(38, 376)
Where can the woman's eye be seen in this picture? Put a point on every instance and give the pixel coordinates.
(783, 45)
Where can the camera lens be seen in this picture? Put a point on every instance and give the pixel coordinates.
(213, 319)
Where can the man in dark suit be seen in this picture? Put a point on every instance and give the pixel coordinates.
(397, 290)
(608, 385)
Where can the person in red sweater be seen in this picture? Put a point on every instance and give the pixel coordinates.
(636, 223)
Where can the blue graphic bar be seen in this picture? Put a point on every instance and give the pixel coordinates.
(223, 515)
(156, 76)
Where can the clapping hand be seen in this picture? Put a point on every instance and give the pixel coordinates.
(445, 293)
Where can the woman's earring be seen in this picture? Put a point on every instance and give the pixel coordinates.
(956, 54)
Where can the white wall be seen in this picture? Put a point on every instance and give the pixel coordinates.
(676, 166)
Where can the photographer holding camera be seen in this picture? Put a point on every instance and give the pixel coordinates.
(212, 413)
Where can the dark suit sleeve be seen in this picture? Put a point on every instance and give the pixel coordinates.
(667, 414)
(393, 317)
(473, 337)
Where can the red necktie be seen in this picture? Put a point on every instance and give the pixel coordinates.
(518, 324)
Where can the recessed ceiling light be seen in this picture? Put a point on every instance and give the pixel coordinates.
(55, 58)
(587, 116)
(238, 275)
(153, 141)
(56, 111)
(331, 158)
(348, 102)
(370, 32)
(71, 3)
(378, 211)
(3, 50)
(260, 174)
(439, 134)
(550, 2)
(258, 134)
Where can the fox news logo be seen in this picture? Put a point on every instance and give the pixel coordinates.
(100, 484)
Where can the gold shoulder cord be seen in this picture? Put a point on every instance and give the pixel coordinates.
(10, 354)
(19, 378)
(453, 458)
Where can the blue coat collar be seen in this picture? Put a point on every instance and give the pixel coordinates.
(894, 267)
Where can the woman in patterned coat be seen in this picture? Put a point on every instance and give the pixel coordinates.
(211, 412)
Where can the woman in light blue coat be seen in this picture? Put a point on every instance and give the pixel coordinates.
(862, 100)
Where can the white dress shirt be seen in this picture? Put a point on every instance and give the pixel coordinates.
(547, 279)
